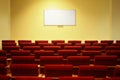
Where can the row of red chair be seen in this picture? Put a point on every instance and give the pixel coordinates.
(59, 78)
(74, 60)
(56, 70)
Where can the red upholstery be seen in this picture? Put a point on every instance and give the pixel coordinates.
(8, 44)
(8, 48)
(31, 48)
(4, 77)
(91, 53)
(20, 52)
(98, 71)
(43, 52)
(58, 70)
(63, 44)
(40, 41)
(113, 78)
(51, 60)
(2, 69)
(26, 44)
(113, 52)
(8, 41)
(117, 41)
(78, 48)
(55, 48)
(45, 44)
(112, 48)
(91, 41)
(30, 78)
(3, 59)
(23, 59)
(2, 53)
(93, 48)
(24, 41)
(106, 60)
(78, 60)
(77, 78)
(57, 41)
(117, 71)
(107, 41)
(24, 69)
(66, 53)
(74, 41)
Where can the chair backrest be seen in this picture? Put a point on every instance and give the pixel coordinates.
(78, 60)
(31, 78)
(91, 41)
(77, 78)
(23, 59)
(57, 70)
(8, 48)
(55, 48)
(98, 71)
(40, 41)
(112, 48)
(3, 60)
(74, 41)
(57, 41)
(91, 53)
(43, 53)
(31, 48)
(20, 52)
(66, 53)
(108, 60)
(2, 69)
(24, 69)
(51, 60)
(93, 48)
(2, 53)
(107, 41)
(117, 71)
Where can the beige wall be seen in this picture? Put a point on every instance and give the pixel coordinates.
(92, 20)
(4, 20)
(116, 19)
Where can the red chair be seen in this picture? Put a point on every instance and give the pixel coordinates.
(55, 48)
(103, 45)
(77, 78)
(2, 69)
(24, 69)
(107, 41)
(98, 71)
(78, 48)
(44, 44)
(117, 71)
(3, 60)
(112, 48)
(91, 41)
(31, 48)
(20, 42)
(93, 48)
(43, 53)
(40, 41)
(8, 48)
(8, 44)
(2, 53)
(91, 53)
(113, 52)
(57, 41)
(26, 44)
(51, 60)
(74, 41)
(83, 45)
(23, 59)
(31, 78)
(106, 60)
(113, 78)
(58, 70)
(63, 44)
(4, 77)
(8, 41)
(78, 60)
(117, 41)
(20, 52)
(66, 53)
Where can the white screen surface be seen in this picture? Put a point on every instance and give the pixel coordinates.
(59, 17)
